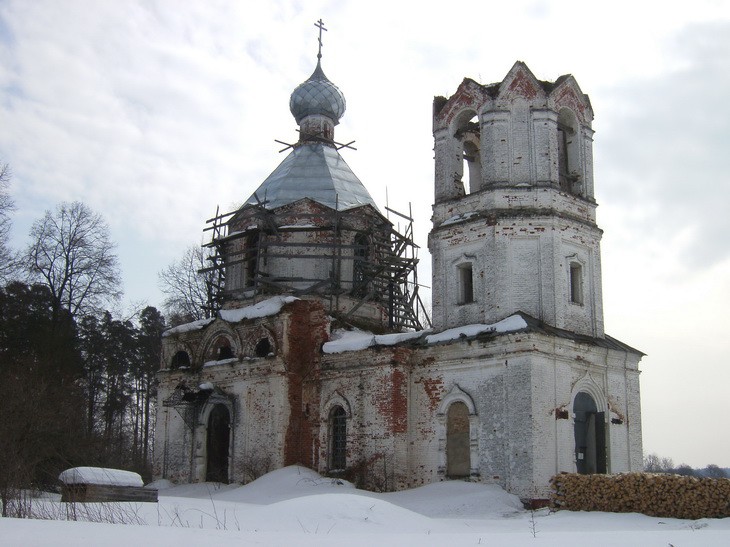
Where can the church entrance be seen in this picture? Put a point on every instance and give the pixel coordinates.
(458, 451)
(590, 435)
(218, 443)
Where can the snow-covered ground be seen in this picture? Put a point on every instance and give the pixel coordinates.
(296, 507)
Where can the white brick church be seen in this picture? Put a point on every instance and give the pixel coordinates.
(316, 354)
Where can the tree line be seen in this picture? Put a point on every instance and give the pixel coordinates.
(657, 464)
(77, 381)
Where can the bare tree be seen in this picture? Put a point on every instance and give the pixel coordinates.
(185, 287)
(8, 260)
(72, 254)
(714, 472)
(656, 464)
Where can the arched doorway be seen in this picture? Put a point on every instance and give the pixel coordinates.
(458, 451)
(590, 435)
(218, 444)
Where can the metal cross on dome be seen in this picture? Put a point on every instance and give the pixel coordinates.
(319, 24)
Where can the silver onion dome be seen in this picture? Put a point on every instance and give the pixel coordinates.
(317, 96)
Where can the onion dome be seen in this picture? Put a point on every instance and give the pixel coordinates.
(317, 96)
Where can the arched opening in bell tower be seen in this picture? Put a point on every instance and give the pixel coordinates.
(468, 138)
(569, 172)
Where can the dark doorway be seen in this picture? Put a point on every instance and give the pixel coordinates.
(590, 435)
(458, 451)
(218, 444)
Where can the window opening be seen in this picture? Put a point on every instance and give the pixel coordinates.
(251, 259)
(225, 352)
(338, 439)
(263, 348)
(576, 283)
(458, 450)
(469, 168)
(568, 166)
(466, 284)
(360, 256)
(180, 359)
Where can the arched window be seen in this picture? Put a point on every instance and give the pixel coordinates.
(221, 349)
(263, 348)
(568, 152)
(458, 450)
(468, 137)
(338, 439)
(360, 253)
(225, 352)
(180, 359)
(590, 435)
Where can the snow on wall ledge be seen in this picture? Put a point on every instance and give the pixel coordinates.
(265, 308)
(510, 324)
(100, 475)
(355, 340)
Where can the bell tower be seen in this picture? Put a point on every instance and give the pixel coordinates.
(514, 225)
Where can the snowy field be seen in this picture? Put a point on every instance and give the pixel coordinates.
(296, 507)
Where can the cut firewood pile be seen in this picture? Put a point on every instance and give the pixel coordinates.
(657, 495)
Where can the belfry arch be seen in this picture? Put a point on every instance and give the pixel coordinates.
(467, 136)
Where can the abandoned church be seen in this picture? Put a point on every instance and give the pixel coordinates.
(317, 353)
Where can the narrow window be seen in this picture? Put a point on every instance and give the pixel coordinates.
(576, 283)
(469, 170)
(466, 284)
(568, 153)
(338, 439)
(251, 259)
(360, 256)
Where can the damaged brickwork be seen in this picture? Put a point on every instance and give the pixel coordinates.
(516, 382)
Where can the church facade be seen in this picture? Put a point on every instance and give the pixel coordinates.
(316, 353)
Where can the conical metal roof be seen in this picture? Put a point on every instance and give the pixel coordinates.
(316, 171)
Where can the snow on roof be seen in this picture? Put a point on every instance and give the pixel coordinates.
(187, 327)
(100, 475)
(356, 339)
(510, 324)
(270, 306)
(458, 218)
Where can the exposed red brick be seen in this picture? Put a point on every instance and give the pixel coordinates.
(307, 332)
(523, 86)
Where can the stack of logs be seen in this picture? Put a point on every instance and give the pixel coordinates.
(658, 495)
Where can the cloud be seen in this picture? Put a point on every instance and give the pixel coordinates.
(665, 148)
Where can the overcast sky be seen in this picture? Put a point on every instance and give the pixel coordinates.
(154, 113)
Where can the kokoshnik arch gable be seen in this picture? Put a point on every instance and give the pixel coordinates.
(515, 382)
